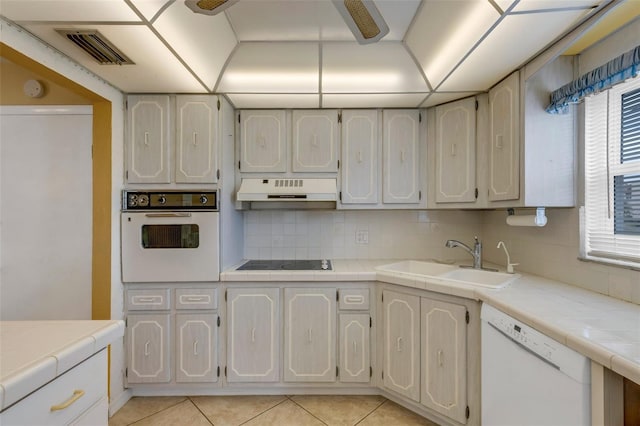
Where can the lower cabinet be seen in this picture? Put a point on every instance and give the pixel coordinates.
(196, 348)
(425, 346)
(148, 348)
(310, 334)
(354, 347)
(253, 335)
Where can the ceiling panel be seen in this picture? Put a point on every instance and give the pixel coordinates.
(398, 15)
(266, 101)
(272, 68)
(380, 67)
(508, 47)
(441, 98)
(373, 100)
(68, 10)
(155, 69)
(444, 31)
(203, 42)
(525, 5)
(149, 8)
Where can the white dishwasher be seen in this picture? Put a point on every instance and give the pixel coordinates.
(529, 378)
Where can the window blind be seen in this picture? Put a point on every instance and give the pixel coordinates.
(612, 173)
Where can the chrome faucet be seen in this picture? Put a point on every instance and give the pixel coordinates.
(476, 252)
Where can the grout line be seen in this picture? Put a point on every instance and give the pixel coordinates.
(372, 411)
(201, 412)
(268, 409)
(157, 412)
(310, 413)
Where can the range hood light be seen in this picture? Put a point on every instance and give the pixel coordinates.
(363, 19)
(209, 7)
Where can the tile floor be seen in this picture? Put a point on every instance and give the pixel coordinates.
(299, 410)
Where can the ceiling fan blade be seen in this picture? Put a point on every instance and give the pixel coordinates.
(363, 19)
(209, 7)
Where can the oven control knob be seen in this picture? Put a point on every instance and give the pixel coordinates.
(203, 199)
(162, 199)
(143, 200)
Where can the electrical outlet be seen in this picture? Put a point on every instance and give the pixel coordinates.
(362, 237)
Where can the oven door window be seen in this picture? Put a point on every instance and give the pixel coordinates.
(185, 236)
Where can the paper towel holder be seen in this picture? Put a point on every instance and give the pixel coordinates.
(539, 219)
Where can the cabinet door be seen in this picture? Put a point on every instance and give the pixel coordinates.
(504, 117)
(196, 124)
(456, 152)
(354, 348)
(148, 139)
(444, 358)
(315, 140)
(263, 141)
(310, 337)
(148, 348)
(401, 156)
(401, 346)
(196, 348)
(253, 338)
(360, 157)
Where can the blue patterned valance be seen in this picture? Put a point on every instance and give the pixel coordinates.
(614, 71)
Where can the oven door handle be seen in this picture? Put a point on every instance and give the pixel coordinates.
(168, 214)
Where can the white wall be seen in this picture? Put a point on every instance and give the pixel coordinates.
(332, 234)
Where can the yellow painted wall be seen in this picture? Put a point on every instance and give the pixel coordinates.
(12, 79)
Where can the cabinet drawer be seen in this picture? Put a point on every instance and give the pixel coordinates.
(147, 300)
(196, 298)
(88, 377)
(354, 299)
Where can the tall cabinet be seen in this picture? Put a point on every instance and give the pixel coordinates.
(401, 156)
(360, 157)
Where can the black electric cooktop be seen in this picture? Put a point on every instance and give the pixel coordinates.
(286, 265)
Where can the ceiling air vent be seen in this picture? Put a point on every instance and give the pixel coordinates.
(96, 45)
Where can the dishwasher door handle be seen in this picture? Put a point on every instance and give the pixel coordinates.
(524, 347)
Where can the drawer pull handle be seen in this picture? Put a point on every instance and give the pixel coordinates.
(146, 299)
(440, 361)
(146, 348)
(195, 138)
(195, 298)
(77, 394)
(146, 138)
(354, 300)
(399, 344)
(253, 335)
(195, 348)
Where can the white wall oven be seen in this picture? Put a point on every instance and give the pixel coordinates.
(169, 236)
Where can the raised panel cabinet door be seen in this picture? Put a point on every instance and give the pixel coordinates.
(263, 141)
(310, 334)
(354, 348)
(148, 138)
(253, 335)
(148, 348)
(360, 157)
(196, 141)
(456, 152)
(504, 152)
(401, 156)
(315, 140)
(196, 348)
(444, 358)
(401, 345)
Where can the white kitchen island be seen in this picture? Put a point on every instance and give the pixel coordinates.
(55, 372)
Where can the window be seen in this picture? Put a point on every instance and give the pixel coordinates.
(612, 175)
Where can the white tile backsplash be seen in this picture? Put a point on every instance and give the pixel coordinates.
(332, 234)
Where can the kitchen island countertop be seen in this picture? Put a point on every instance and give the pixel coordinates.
(603, 328)
(32, 353)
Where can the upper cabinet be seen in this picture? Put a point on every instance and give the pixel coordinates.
(263, 141)
(401, 155)
(504, 139)
(360, 157)
(455, 152)
(172, 139)
(510, 149)
(148, 139)
(315, 140)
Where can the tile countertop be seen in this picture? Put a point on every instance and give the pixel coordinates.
(605, 329)
(32, 353)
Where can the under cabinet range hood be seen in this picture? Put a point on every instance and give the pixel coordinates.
(288, 193)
